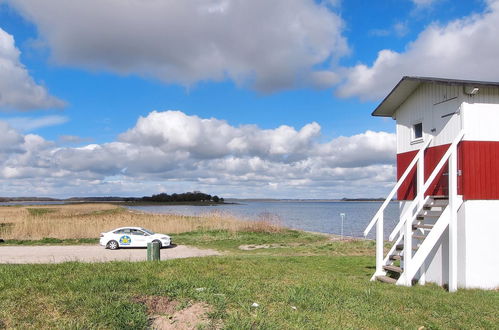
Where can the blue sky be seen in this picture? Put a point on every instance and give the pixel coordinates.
(87, 71)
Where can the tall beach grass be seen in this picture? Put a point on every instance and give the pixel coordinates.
(89, 220)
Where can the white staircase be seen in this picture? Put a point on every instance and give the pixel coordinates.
(421, 225)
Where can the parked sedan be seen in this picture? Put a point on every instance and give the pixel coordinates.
(132, 237)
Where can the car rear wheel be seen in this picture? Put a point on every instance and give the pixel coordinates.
(159, 242)
(113, 245)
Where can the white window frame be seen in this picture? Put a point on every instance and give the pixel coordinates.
(415, 139)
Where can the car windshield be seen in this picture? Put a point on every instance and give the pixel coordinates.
(148, 231)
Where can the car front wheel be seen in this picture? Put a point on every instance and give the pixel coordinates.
(159, 242)
(112, 245)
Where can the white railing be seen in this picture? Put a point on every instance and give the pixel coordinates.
(403, 229)
(412, 264)
(378, 217)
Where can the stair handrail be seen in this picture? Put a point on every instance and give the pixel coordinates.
(397, 186)
(406, 214)
(428, 182)
(413, 264)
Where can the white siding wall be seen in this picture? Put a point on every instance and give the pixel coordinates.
(419, 107)
(478, 258)
(481, 115)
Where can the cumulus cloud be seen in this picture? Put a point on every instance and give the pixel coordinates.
(18, 90)
(269, 45)
(213, 138)
(192, 153)
(466, 48)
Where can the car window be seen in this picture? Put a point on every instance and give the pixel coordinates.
(148, 231)
(138, 232)
(122, 231)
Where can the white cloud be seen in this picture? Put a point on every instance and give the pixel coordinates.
(466, 48)
(32, 123)
(10, 140)
(73, 139)
(269, 45)
(18, 90)
(185, 152)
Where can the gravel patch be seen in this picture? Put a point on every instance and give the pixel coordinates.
(91, 253)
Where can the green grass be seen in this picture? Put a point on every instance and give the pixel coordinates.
(285, 243)
(40, 211)
(326, 281)
(52, 241)
(328, 292)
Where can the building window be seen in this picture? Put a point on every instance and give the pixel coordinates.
(417, 131)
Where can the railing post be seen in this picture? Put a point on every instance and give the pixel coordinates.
(407, 251)
(379, 246)
(421, 192)
(453, 219)
(420, 178)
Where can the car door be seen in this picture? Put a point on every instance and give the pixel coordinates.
(139, 238)
(124, 237)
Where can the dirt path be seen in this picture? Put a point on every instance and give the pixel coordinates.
(90, 253)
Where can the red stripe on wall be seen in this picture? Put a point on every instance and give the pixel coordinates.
(477, 160)
(480, 169)
(407, 189)
(439, 187)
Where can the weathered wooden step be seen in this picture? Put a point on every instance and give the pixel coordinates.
(396, 257)
(386, 279)
(392, 268)
(400, 247)
(429, 215)
(420, 237)
(421, 226)
(429, 207)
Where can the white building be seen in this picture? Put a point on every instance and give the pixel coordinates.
(448, 184)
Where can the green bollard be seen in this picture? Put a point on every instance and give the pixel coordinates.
(153, 251)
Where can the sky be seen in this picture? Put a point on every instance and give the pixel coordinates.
(238, 98)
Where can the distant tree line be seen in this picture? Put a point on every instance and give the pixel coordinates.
(196, 196)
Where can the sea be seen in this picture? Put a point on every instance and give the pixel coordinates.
(333, 217)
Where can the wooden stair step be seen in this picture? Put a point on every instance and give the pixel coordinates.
(396, 257)
(421, 226)
(386, 279)
(392, 268)
(431, 214)
(400, 247)
(420, 237)
(428, 207)
(422, 217)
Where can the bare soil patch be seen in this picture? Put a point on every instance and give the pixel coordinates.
(166, 316)
(250, 247)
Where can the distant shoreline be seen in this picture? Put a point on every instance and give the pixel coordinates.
(228, 201)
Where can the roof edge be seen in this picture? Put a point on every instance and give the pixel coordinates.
(418, 79)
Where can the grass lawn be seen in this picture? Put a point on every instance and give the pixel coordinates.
(300, 281)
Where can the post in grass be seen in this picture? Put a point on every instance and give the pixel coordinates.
(153, 251)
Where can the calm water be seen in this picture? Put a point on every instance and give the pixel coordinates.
(312, 216)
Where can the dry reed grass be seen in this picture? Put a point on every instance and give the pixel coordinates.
(89, 220)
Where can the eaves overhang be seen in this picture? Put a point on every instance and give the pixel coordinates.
(408, 84)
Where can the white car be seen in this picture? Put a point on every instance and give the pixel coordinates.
(132, 237)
